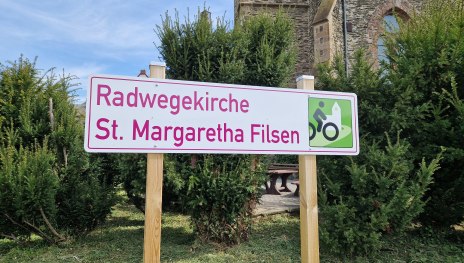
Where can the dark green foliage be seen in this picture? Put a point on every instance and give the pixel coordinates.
(427, 65)
(133, 168)
(86, 195)
(28, 185)
(378, 193)
(260, 51)
(178, 168)
(381, 190)
(50, 187)
(417, 94)
(271, 53)
(222, 196)
(195, 51)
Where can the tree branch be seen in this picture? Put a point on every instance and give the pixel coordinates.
(39, 232)
(65, 156)
(12, 237)
(50, 112)
(14, 222)
(52, 229)
(33, 228)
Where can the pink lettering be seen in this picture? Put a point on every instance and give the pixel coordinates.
(284, 136)
(118, 99)
(174, 104)
(186, 102)
(275, 136)
(162, 101)
(210, 134)
(228, 132)
(178, 136)
(212, 102)
(220, 104)
(200, 129)
(102, 128)
(244, 104)
(104, 95)
(232, 101)
(147, 100)
(295, 134)
(197, 102)
(136, 131)
(253, 132)
(134, 97)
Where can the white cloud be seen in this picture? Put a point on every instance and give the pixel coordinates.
(85, 70)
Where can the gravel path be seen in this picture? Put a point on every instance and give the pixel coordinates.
(276, 204)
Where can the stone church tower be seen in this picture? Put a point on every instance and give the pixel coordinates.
(325, 28)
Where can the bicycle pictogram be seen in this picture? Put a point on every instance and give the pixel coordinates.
(326, 123)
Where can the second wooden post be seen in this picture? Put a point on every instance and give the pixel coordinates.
(309, 227)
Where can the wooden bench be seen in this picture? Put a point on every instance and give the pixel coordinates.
(276, 170)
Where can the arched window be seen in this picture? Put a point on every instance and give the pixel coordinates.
(384, 19)
(390, 25)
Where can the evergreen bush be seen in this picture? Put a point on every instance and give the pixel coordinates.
(426, 64)
(132, 169)
(221, 197)
(381, 190)
(377, 193)
(49, 186)
(28, 186)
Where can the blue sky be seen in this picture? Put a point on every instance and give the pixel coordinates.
(91, 37)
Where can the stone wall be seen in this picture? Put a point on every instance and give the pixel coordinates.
(337, 20)
(366, 17)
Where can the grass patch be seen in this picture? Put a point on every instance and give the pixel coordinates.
(273, 239)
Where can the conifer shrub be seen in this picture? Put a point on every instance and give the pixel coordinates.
(222, 196)
(28, 186)
(380, 191)
(48, 185)
(425, 60)
(132, 169)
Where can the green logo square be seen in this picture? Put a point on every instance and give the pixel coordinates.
(330, 123)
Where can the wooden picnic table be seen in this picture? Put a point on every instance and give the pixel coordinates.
(280, 170)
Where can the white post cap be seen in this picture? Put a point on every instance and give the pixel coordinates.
(302, 77)
(158, 63)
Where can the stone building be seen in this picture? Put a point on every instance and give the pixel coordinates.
(325, 28)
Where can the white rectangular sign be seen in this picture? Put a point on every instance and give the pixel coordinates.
(146, 115)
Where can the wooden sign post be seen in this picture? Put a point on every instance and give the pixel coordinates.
(154, 191)
(308, 196)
